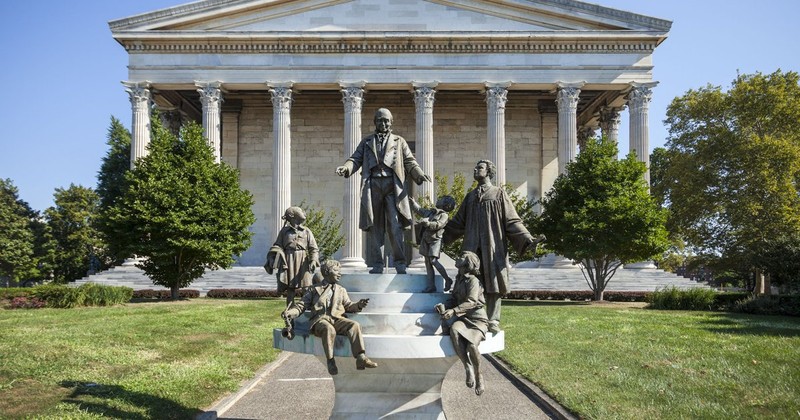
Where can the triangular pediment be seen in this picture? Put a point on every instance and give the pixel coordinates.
(343, 16)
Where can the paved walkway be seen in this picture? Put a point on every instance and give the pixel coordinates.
(298, 386)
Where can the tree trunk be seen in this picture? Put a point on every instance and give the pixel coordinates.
(174, 291)
(759, 288)
(598, 294)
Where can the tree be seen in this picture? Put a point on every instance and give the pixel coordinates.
(78, 246)
(733, 168)
(182, 212)
(601, 214)
(16, 237)
(111, 182)
(327, 230)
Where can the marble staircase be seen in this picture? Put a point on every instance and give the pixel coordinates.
(402, 333)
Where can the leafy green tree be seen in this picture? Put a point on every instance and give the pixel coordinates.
(601, 214)
(182, 212)
(111, 182)
(78, 246)
(16, 237)
(733, 168)
(327, 228)
(458, 190)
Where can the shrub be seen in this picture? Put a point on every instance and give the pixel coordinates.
(165, 294)
(241, 293)
(89, 294)
(13, 292)
(576, 295)
(697, 299)
(24, 302)
(769, 305)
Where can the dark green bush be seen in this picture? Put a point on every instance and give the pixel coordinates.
(695, 299)
(59, 295)
(164, 294)
(576, 295)
(102, 295)
(241, 293)
(769, 305)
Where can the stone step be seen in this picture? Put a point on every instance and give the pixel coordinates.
(386, 323)
(380, 283)
(400, 302)
(387, 346)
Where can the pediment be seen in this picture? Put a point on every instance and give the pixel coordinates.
(375, 16)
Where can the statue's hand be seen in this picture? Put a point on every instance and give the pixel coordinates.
(426, 178)
(448, 314)
(361, 304)
(343, 171)
(313, 266)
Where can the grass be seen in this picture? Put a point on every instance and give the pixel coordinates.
(609, 361)
(622, 362)
(145, 360)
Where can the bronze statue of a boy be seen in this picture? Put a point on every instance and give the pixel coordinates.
(430, 238)
(328, 302)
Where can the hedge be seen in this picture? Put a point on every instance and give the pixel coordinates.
(576, 295)
(88, 294)
(241, 293)
(165, 294)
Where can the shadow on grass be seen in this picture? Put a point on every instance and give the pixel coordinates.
(105, 400)
(760, 325)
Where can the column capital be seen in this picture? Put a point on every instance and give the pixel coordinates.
(585, 133)
(640, 95)
(281, 94)
(210, 92)
(424, 96)
(352, 96)
(610, 115)
(497, 94)
(139, 91)
(567, 96)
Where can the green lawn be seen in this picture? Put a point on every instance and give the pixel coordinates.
(140, 360)
(609, 361)
(613, 361)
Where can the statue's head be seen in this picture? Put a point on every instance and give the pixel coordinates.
(383, 120)
(446, 203)
(484, 169)
(331, 270)
(469, 262)
(294, 215)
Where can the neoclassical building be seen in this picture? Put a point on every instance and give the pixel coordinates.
(285, 89)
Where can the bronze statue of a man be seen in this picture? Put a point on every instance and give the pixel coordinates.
(384, 159)
(488, 221)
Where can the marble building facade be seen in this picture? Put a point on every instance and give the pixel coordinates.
(285, 90)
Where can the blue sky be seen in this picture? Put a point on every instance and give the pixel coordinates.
(62, 69)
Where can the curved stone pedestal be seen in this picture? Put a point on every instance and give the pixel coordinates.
(403, 335)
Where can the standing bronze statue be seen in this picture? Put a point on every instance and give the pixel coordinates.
(488, 222)
(384, 159)
(294, 257)
(328, 302)
(430, 238)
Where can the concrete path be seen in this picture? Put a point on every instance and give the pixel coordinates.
(298, 386)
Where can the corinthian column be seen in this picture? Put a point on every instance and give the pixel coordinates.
(211, 97)
(638, 104)
(281, 153)
(609, 123)
(140, 123)
(353, 99)
(496, 98)
(567, 102)
(424, 94)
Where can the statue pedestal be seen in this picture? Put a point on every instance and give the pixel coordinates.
(402, 333)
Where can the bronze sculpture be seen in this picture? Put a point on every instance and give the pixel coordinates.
(488, 220)
(328, 303)
(430, 238)
(384, 159)
(294, 256)
(466, 316)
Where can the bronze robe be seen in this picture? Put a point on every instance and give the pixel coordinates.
(488, 222)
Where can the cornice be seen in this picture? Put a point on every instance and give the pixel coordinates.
(389, 43)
